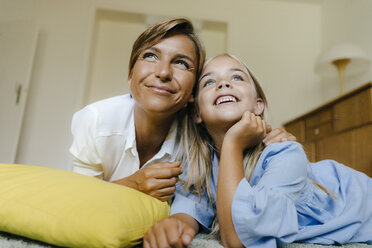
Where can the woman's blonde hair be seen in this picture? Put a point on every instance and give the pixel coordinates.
(198, 149)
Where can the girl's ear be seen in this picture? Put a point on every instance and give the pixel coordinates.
(197, 119)
(196, 116)
(260, 106)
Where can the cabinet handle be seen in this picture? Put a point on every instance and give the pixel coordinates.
(336, 117)
(316, 131)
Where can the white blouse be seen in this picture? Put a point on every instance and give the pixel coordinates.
(104, 140)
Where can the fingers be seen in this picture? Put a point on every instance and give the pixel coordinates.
(166, 164)
(261, 127)
(163, 173)
(145, 244)
(174, 232)
(158, 180)
(278, 135)
(168, 176)
(166, 233)
(257, 122)
(149, 240)
(163, 189)
(264, 126)
(268, 128)
(164, 170)
(187, 235)
(164, 194)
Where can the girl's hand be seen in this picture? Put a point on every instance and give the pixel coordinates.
(170, 232)
(277, 135)
(247, 132)
(158, 180)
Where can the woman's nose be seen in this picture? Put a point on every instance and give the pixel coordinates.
(164, 71)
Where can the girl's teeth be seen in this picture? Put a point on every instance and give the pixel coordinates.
(225, 99)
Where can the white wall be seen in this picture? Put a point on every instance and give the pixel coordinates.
(114, 34)
(279, 39)
(58, 76)
(346, 21)
(112, 44)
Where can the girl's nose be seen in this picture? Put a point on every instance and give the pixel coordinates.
(224, 84)
(164, 71)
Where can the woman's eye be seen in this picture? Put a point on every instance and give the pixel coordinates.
(149, 56)
(182, 64)
(237, 78)
(208, 83)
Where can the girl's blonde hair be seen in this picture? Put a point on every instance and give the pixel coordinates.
(198, 147)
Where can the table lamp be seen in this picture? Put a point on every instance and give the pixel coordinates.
(340, 57)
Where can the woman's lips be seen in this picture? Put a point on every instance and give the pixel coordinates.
(161, 90)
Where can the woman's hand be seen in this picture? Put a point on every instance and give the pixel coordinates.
(176, 231)
(247, 132)
(277, 135)
(158, 180)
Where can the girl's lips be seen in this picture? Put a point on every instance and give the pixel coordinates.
(225, 99)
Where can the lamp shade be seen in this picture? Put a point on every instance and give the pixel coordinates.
(359, 61)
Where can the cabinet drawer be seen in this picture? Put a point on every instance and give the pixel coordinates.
(362, 148)
(297, 128)
(310, 150)
(318, 132)
(338, 147)
(318, 118)
(353, 112)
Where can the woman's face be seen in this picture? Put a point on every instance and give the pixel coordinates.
(225, 92)
(163, 76)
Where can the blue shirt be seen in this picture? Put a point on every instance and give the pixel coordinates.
(281, 204)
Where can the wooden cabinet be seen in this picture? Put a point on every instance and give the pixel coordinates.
(340, 129)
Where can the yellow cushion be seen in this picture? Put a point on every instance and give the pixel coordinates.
(71, 210)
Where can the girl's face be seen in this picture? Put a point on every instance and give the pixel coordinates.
(164, 74)
(225, 92)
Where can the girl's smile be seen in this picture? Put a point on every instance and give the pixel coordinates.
(225, 92)
(225, 99)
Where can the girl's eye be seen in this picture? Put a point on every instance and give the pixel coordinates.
(237, 78)
(182, 64)
(149, 56)
(208, 83)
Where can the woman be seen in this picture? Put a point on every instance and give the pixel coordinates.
(116, 137)
(132, 139)
(263, 197)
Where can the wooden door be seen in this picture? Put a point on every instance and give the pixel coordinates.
(17, 48)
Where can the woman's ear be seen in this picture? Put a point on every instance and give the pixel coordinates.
(129, 79)
(260, 106)
(191, 99)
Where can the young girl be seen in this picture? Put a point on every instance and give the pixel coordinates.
(265, 197)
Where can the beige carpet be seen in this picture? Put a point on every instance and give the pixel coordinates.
(14, 241)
